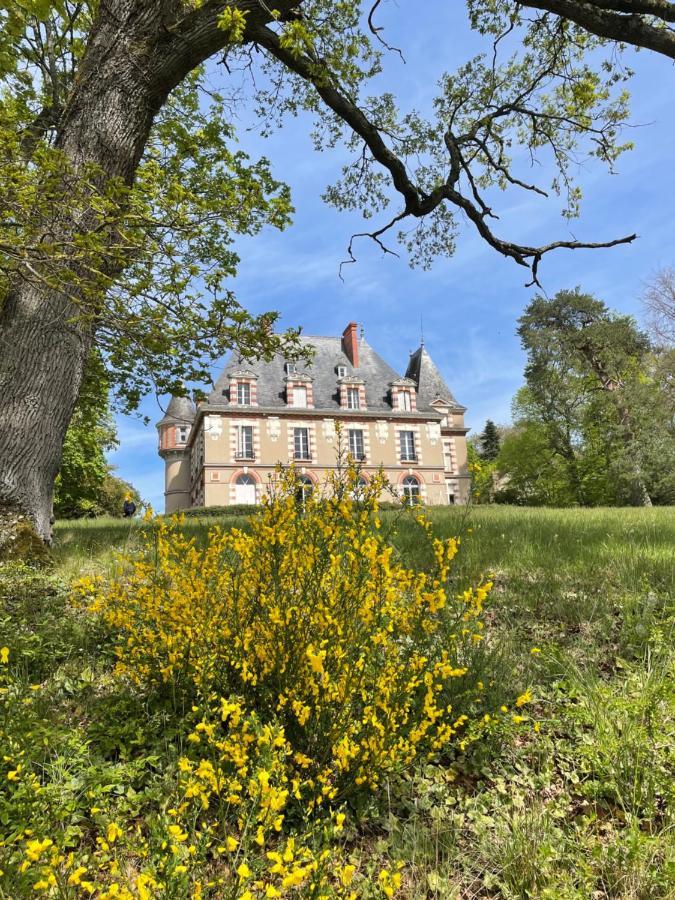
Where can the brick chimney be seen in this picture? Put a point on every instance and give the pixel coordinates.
(350, 343)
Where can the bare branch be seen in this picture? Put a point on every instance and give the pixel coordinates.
(417, 203)
(377, 31)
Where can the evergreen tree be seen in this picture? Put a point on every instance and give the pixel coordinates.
(489, 442)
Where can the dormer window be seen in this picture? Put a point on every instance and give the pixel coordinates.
(405, 401)
(291, 368)
(300, 395)
(341, 371)
(353, 398)
(243, 393)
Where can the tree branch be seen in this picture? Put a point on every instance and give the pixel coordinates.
(618, 20)
(416, 202)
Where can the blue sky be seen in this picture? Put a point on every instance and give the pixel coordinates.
(470, 302)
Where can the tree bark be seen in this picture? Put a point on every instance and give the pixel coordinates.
(643, 23)
(138, 51)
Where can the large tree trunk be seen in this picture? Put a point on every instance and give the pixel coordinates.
(44, 338)
(138, 51)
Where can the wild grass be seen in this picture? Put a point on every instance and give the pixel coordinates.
(577, 801)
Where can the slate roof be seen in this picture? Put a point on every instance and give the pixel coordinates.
(328, 355)
(180, 409)
(429, 381)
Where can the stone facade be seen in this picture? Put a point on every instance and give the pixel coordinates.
(227, 449)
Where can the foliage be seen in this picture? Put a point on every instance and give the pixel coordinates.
(482, 474)
(532, 474)
(364, 663)
(597, 412)
(90, 434)
(147, 258)
(114, 492)
(489, 442)
(574, 800)
(86, 485)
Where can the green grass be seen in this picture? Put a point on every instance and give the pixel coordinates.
(581, 808)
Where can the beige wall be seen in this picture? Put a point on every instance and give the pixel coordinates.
(215, 443)
(176, 482)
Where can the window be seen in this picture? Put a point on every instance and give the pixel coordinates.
(243, 393)
(244, 490)
(291, 368)
(356, 447)
(411, 490)
(447, 455)
(408, 446)
(304, 489)
(404, 401)
(183, 432)
(299, 396)
(353, 398)
(341, 371)
(301, 443)
(245, 442)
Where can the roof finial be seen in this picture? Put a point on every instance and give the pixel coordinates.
(421, 330)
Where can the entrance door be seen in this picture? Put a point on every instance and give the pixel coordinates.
(244, 490)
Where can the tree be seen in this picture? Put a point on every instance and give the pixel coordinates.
(122, 191)
(659, 302)
(86, 485)
(113, 492)
(482, 474)
(530, 472)
(91, 432)
(593, 383)
(643, 23)
(489, 442)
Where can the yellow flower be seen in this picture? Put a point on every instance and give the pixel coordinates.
(524, 698)
(35, 848)
(177, 833)
(316, 659)
(346, 875)
(535, 650)
(76, 876)
(4, 655)
(243, 872)
(114, 831)
(231, 844)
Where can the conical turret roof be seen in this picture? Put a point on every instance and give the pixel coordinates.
(430, 383)
(180, 409)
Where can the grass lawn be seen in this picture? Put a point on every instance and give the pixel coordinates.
(575, 801)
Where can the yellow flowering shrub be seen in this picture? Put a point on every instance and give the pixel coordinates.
(312, 622)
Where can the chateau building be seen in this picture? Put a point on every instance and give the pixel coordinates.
(226, 450)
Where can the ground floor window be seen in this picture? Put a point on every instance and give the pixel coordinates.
(244, 490)
(411, 490)
(304, 489)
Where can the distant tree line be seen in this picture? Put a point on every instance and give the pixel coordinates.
(594, 423)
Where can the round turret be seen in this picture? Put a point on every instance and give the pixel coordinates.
(174, 437)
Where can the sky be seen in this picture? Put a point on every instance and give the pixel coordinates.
(468, 304)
